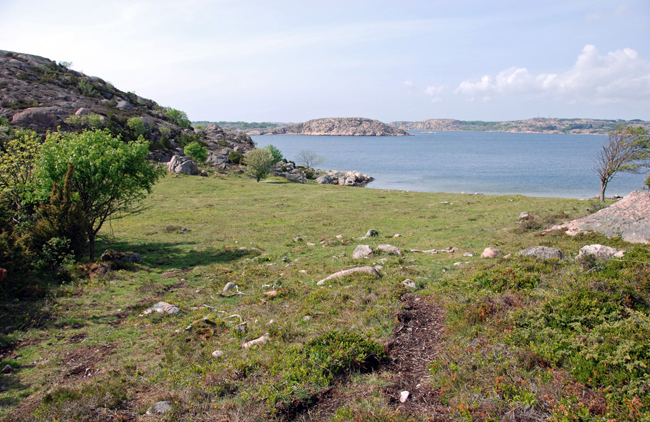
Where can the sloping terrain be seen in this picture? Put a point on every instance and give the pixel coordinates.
(39, 94)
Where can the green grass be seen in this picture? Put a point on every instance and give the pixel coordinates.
(511, 345)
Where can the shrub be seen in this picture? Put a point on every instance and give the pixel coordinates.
(136, 125)
(502, 279)
(275, 153)
(196, 151)
(86, 88)
(89, 121)
(235, 157)
(304, 371)
(259, 162)
(177, 117)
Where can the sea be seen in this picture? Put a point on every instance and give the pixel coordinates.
(530, 164)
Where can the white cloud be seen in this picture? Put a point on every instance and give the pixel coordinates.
(435, 92)
(618, 76)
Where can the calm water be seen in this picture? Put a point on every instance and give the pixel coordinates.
(454, 162)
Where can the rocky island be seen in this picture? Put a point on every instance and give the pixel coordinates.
(535, 125)
(336, 126)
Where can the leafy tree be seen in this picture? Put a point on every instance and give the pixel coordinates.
(309, 158)
(62, 217)
(110, 176)
(18, 174)
(259, 162)
(275, 153)
(196, 152)
(178, 117)
(627, 149)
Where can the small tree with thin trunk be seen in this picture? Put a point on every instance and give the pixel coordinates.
(309, 158)
(110, 176)
(627, 149)
(259, 162)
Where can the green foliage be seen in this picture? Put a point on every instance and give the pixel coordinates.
(235, 157)
(305, 371)
(177, 117)
(62, 218)
(23, 104)
(88, 121)
(196, 151)
(599, 330)
(109, 176)
(187, 138)
(86, 88)
(136, 125)
(275, 153)
(499, 280)
(17, 173)
(259, 162)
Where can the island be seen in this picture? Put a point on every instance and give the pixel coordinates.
(335, 126)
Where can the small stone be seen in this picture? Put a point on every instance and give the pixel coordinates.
(217, 354)
(257, 341)
(271, 293)
(228, 288)
(362, 251)
(7, 369)
(339, 236)
(524, 216)
(372, 233)
(598, 251)
(241, 328)
(468, 254)
(389, 249)
(297, 239)
(306, 318)
(311, 244)
(458, 264)
(160, 408)
(490, 253)
(409, 283)
(397, 235)
(403, 396)
(163, 308)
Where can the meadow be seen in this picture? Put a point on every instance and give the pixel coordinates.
(518, 337)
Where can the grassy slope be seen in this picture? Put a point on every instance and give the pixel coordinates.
(86, 347)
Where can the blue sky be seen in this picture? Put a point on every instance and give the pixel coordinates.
(291, 61)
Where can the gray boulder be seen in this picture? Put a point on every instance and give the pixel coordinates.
(362, 251)
(182, 164)
(163, 308)
(543, 252)
(160, 408)
(389, 249)
(124, 105)
(40, 117)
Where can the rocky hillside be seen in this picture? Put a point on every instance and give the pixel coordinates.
(536, 125)
(338, 126)
(40, 94)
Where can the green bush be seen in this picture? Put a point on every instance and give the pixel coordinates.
(89, 121)
(502, 279)
(275, 153)
(136, 125)
(259, 162)
(86, 88)
(305, 371)
(196, 152)
(235, 157)
(177, 117)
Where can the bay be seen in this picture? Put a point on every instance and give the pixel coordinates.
(529, 164)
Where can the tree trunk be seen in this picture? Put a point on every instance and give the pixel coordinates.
(603, 186)
(91, 246)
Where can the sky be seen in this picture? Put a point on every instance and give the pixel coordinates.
(296, 60)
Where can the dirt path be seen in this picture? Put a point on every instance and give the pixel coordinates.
(411, 349)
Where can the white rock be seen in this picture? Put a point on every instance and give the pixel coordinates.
(599, 251)
(228, 288)
(409, 283)
(259, 340)
(163, 308)
(160, 408)
(217, 354)
(403, 396)
(490, 253)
